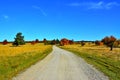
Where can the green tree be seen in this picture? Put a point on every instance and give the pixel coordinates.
(53, 42)
(109, 41)
(19, 40)
(57, 41)
(45, 41)
(37, 41)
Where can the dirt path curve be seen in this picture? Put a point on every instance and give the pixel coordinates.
(61, 65)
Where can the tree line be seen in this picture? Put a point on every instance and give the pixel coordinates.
(19, 40)
(109, 41)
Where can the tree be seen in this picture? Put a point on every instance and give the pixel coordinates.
(98, 43)
(5, 42)
(57, 41)
(64, 41)
(116, 43)
(53, 42)
(45, 41)
(37, 41)
(109, 41)
(71, 41)
(33, 42)
(19, 40)
(82, 43)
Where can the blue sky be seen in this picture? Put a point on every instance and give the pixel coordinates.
(51, 19)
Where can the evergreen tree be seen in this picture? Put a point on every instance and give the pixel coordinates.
(45, 41)
(19, 40)
(57, 41)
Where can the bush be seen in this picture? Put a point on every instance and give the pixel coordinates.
(5, 42)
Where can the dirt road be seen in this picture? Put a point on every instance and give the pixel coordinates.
(61, 65)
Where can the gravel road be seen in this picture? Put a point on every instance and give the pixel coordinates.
(61, 65)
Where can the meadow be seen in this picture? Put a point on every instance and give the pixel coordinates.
(100, 57)
(16, 59)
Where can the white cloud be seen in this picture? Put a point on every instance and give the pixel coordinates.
(112, 4)
(95, 5)
(99, 5)
(38, 8)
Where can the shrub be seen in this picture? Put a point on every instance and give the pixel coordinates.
(5, 42)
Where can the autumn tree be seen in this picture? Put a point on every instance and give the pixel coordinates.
(116, 43)
(33, 42)
(5, 42)
(98, 43)
(109, 41)
(19, 39)
(64, 41)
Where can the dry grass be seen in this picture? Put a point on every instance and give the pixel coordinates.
(9, 50)
(15, 59)
(101, 57)
(102, 51)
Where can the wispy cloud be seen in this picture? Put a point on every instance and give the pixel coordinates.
(41, 10)
(112, 4)
(5, 16)
(95, 5)
(75, 4)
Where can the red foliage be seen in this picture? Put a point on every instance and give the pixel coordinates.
(99, 43)
(65, 41)
(5, 42)
(71, 42)
(33, 42)
(109, 41)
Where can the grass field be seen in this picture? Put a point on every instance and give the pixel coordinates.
(104, 60)
(16, 59)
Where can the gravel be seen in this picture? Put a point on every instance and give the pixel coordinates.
(61, 65)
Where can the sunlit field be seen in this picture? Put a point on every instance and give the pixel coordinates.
(9, 50)
(101, 57)
(14, 59)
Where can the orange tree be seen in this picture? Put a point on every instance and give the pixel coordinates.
(109, 41)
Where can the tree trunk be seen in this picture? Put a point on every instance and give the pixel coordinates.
(111, 48)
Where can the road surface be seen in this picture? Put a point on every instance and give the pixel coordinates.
(61, 65)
